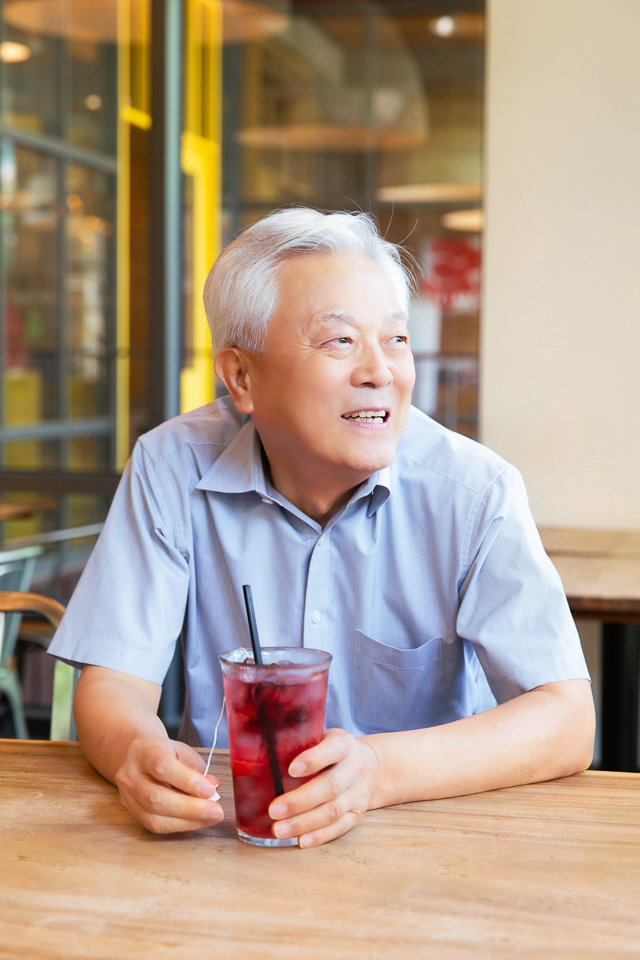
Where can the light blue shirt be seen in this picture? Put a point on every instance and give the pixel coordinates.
(431, 574)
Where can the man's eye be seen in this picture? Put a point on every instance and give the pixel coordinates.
(342, 340)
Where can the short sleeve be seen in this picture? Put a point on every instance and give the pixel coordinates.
(128, 608)
(513, 608)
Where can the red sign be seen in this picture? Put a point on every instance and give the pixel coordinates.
(452, 274)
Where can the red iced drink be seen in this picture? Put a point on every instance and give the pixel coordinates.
(274, 712)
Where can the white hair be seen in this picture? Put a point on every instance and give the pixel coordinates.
(241, 290)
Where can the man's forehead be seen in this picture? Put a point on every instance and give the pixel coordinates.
(318, 290)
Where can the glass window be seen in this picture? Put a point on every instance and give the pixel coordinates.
(377, 107)
(30, 234)
(33, 66)
(368, 105)
(58, 97)
(92, 94)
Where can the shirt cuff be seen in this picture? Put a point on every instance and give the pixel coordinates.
(534, 675)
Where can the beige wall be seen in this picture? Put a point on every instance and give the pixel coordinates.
(560, 366)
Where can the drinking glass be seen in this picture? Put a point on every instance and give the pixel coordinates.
(274, 712)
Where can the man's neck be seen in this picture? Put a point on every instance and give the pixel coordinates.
(317, 500)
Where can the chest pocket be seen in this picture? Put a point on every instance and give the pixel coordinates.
(397, 689)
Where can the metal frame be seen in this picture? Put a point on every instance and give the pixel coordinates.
(54, 147)
(57, 482)
(165, 194)
(620, 699)
(58, 429)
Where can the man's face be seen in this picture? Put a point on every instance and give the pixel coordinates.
(332, 388)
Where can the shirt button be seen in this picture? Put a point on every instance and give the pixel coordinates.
(316, 616)
(266, 500)
(321, 540)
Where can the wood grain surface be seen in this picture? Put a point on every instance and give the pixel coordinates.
(544, 871)
(599, 569)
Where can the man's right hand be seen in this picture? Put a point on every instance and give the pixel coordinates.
(161, 784)
(161, 781)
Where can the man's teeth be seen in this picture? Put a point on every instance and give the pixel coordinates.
(366, 416)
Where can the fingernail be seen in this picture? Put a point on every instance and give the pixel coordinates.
(282, 830)
(213, 813)
(277, 810)
(206, 790)
(305, 842)
(297, 769)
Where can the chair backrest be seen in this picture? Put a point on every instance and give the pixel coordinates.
(16, 571)
(65, 677)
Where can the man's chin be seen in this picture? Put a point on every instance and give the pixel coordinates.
(370, 462)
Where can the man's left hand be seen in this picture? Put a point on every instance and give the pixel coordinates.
(335, 800)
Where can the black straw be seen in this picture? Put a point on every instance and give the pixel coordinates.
(268, 734)
(253, 626)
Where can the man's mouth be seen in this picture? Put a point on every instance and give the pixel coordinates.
(367, 416)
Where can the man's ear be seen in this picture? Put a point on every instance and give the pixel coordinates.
(232, 367)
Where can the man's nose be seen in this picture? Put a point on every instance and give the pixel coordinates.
(372, 369)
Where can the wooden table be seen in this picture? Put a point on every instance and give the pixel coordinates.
(600, 572)
(544, 871)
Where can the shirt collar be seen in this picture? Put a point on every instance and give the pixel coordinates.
(239, 469)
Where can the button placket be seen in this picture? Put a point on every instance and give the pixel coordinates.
(316, 593)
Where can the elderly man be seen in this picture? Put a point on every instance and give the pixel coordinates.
(364, 528)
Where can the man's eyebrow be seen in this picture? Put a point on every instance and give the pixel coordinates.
(333, 316)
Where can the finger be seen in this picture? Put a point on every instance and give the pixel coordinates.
(320, 816)
(167, 802)
(330, 832)
(333, 748)
(161, 765)
(162, 801)
(322, 789)
(158, 822)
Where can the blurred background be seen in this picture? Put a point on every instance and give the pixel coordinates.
(499, 143)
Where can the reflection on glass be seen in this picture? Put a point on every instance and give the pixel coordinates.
(59, 87)
(31, 86)
(70, 510)
(92, 95)
(90, 239)
(83, 508)
(29, 217)
(65, 82)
